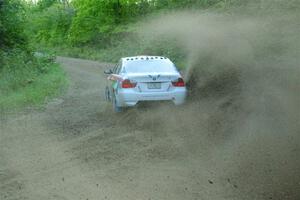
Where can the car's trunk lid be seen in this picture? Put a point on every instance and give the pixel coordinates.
(153, 82)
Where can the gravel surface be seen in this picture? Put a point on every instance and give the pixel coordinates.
(76, 148)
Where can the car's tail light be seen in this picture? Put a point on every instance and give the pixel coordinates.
(128, 84)
(178, 83)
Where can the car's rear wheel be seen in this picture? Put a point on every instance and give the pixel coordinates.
(116, 108)
(107, 94)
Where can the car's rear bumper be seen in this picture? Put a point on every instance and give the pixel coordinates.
(130, 97)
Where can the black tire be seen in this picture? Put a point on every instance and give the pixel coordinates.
(107, 94)
(116, 108)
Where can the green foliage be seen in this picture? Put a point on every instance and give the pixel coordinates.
(43, 4)
(12, 24)
(18, 71)
(102, 29)
(49, 25)
(25, 77)
(27, 82)
(95, 20)
(131, 45)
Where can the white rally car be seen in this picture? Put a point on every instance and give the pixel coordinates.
(144, 78)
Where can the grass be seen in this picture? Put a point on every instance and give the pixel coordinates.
(30, 85)
(126, 47)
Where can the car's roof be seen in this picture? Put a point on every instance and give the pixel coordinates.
(139, 64)
(143, 57)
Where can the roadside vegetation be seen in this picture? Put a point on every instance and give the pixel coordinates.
(107, 30)
(27, 77)
(26, 82)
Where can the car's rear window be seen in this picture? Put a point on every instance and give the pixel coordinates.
(149, 66)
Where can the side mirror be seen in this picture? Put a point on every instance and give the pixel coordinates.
(108, 71)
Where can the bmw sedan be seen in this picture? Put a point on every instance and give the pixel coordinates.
(144, 78)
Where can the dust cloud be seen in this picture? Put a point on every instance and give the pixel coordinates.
(237, 137)
(242, 119)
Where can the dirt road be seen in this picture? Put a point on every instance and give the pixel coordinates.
(75, 148)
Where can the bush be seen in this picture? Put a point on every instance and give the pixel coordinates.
(49, 26)
(12, 24)
(28, 80)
